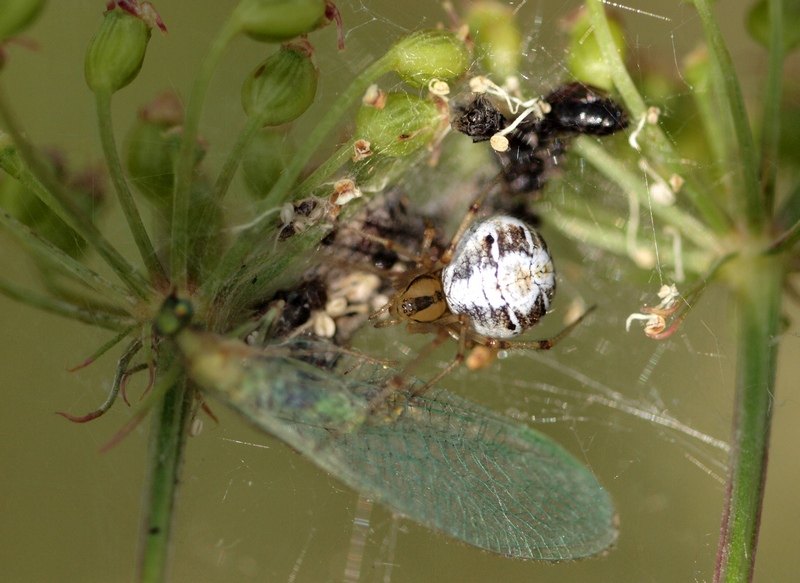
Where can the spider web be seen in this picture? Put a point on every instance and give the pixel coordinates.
(648, 419)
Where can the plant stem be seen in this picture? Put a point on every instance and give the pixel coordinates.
(179, 258)
(154, 268)
(628, 182)
(62, 308)
(168, 434)
(60, 262)
(771, 126)
(323, 172)
(278, 194)
(39, 179)
(757, 282)
(787, 240)
(662, 147)
(234, 157)
(748, 208)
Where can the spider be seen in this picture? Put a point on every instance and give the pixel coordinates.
(494, 281)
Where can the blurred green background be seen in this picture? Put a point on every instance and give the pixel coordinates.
(251, 509)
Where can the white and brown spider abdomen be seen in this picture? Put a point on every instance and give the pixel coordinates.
(501, 276)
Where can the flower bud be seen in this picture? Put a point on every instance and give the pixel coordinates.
(586, 62)
(86, 190)
(405, 123)
(759, 29)
(152, 145)
(16, 15)
(279, 20)
(282, 87)
(697, 70)
(497, 37)
(116, 53)
(429, 54)
(264, 160)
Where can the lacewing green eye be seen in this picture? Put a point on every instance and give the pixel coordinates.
(438, 459)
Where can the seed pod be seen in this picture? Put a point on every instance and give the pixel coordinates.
(85, 189)
(116, 53)
(405, 123)
(16, 15)
(497, 38)
(758, 25)
(152, 145)
(280, 20)
(429, 54)
(282, 87)
(586, 60)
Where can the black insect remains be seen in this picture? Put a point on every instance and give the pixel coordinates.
(536, 144)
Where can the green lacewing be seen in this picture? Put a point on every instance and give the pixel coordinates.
(440, 460)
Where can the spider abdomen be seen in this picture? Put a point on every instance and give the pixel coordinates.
(501, 276)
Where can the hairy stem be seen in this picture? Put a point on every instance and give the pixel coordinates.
(757, 283)
(154, 268)
(179, 258)
(168, 435)
(746, 197)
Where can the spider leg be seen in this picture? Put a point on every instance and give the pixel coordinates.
(469, 218)
(421, 257)
(444, 332)
(545, 344)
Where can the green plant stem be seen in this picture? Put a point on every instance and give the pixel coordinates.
(234, 157)
(746, 197)
(612, 168)
(168, 434)
(61, 263)
(39, 179)
(771, 126)
(179, 258)
(154, 268)
(787, 240)
(615, 241)
(61, 308)
(277, 195)
(662, 147)
(757, 282)
(331, 165)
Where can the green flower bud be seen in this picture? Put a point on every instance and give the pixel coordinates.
(116, 53)
(429, 54)
(280, 20)
(264, 160)
(585, 61)
(17, 15)
(696, 69)
(758, 24)
(152, 145)
(282, 87)
(86, 190)
(405, 123)
(497, 38)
